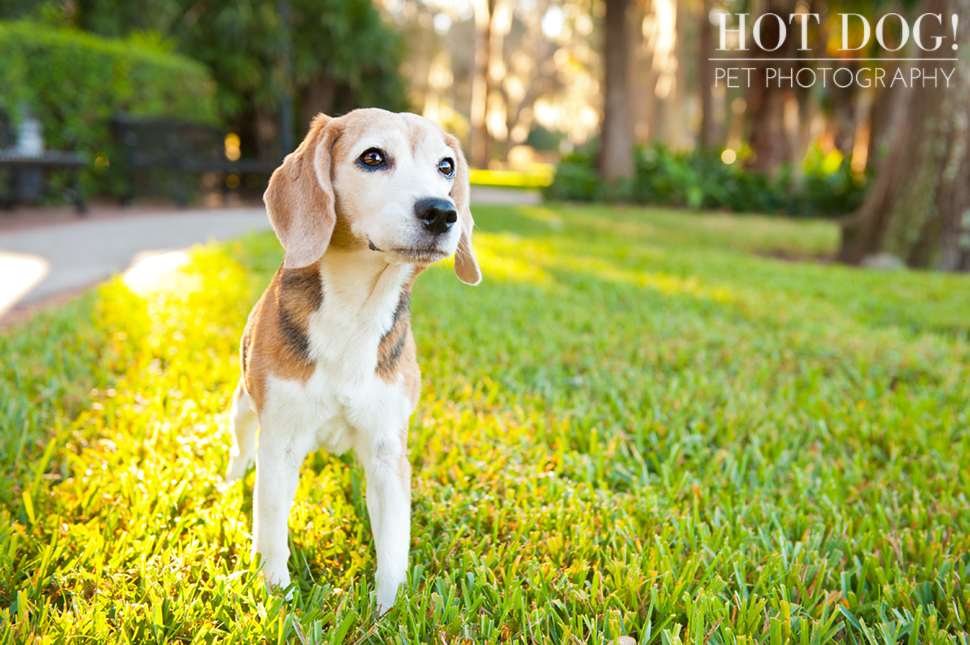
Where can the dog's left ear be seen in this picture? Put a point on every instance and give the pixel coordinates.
(466, 266)
(300, 199)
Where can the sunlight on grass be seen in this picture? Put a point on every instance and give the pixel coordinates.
(154, 272)
(508, 258)
(634, 427)
(662, 282)
(20, 274)
(538, 177)
(722, 231)
(505, 259)
(543, 214)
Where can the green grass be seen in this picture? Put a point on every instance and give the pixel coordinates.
(640, 423)
(536, 178)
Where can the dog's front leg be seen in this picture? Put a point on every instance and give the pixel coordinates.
(277, 477)
(389, 505)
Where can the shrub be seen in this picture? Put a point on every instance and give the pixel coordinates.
(699, 179)
(74, 82)
(576, 179)
(344, 53)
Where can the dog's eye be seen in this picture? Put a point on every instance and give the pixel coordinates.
(373, 158)
(446, 167)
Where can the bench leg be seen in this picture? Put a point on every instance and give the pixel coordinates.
(129, 196)
(181, 197)
(79, 204)
(9, 199)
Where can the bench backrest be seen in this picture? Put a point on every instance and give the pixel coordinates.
(152, 141)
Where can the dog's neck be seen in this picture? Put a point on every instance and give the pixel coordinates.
(361, 275)
(363, 286)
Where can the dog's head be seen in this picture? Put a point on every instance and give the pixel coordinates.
(394, 184)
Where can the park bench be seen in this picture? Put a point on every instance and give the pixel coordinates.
(14, 162)
(179, 147)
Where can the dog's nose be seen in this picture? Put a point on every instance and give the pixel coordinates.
(437, 215)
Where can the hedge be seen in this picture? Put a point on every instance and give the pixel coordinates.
(74, 82)
(825, 187)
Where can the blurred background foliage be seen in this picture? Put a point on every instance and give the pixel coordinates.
(522, 83)
(344, 55)
(824, 185)
(73, 82)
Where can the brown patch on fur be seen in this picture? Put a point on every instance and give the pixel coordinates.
(276, 340)
(245, 341)
(353, 127)
(344, 239)
(390, 351)
(396, 353)
(412, 374)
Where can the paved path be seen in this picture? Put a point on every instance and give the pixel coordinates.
(510, 196)
(40, 263)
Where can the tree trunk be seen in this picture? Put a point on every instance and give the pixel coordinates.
(267, 133)
(766, 99)
(318, 97)
(483, 37)
(843, 122)
(616, 139)
(709, 137)
(886, 119)
(496, 107)
(918, 208)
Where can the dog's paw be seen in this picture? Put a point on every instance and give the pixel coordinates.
(276, 576)
(280, 587)
(384, 605)
(386, 595)
(288, 593)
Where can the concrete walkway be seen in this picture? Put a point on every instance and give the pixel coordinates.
(509, 196)
(41, 263)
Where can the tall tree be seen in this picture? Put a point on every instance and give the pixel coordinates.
(766, 100)
(660, 86)
(918, 207)
(525, 81)
(709, 135)
(483, 11)
(616, 141)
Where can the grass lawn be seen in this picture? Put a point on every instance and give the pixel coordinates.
(642, 423)
(538, 177)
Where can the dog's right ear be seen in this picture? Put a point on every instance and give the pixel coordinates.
(466, 266)
(300, 199)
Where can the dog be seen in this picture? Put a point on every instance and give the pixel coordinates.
(367, 202)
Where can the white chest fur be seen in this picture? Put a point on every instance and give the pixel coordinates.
(345, 403)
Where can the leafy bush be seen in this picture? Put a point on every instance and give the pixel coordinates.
(576, 179)
(344, 53)
(74, 82)
(699, 179)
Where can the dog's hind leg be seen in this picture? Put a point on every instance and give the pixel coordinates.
(243, 424)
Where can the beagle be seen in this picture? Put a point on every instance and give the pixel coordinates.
(367, 202)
